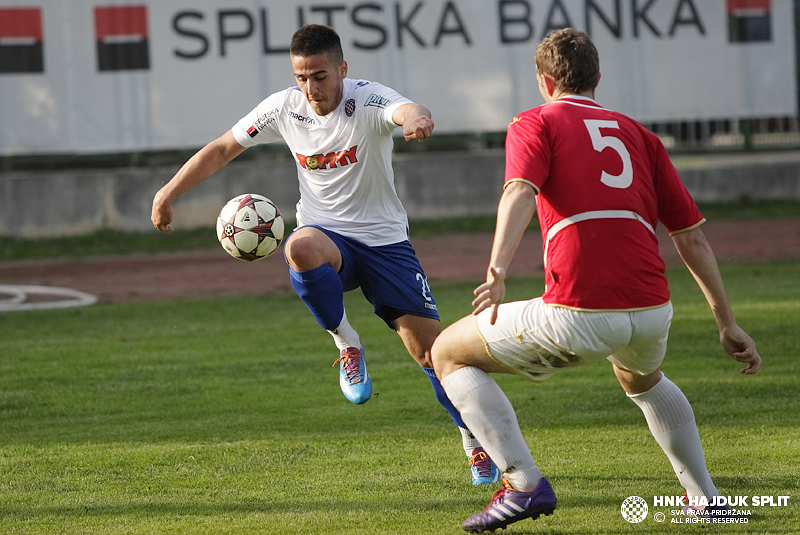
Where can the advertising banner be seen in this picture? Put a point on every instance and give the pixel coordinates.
(81, 76)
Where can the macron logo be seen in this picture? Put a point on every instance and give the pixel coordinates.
(301, 118)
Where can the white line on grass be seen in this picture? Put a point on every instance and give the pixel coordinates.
(17, 297)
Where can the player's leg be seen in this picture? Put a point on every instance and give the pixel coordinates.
(392, 280)
(530, 339)
(315, 260)
(671, 421)
(463, 364)
(666, 409)
(533, 340)
(418, 334)
(462, 361)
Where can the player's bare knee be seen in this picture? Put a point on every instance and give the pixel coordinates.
(418, 335)
(420, 351)
(303, 253)
(634, 383)
(441, 355)
(423, 358)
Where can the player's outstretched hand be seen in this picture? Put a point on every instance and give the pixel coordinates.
(491, 293)
(162, 214)
(741, 347)
(418, 128)
(416, 121)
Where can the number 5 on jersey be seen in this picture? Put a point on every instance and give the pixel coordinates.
(601, 142)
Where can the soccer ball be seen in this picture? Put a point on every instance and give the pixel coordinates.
(250, 227)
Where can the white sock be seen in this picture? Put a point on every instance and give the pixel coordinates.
(469, 441)
(344, 335)
(671, 420)
(491, 418)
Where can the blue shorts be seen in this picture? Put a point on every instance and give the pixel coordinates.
(390, 276)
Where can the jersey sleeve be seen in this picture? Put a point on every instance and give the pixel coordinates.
(527, 151)
(379, 104)
(261, 125)
(676, 208)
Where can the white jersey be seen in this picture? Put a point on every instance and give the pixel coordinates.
(344, 159)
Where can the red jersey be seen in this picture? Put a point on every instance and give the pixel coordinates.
(603, 183)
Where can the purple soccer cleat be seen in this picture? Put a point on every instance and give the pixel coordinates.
(509, 506)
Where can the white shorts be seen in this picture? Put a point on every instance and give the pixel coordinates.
(536, 340)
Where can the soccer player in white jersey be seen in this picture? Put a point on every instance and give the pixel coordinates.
(352, 228)
(600, 183)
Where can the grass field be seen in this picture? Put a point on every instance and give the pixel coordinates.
(225, 416)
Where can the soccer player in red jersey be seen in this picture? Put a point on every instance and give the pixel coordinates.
(600, 183)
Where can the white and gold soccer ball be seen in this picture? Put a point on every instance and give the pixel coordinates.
(250, 227)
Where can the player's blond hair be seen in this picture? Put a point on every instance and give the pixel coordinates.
(570, 58)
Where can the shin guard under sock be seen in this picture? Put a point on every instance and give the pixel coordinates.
(489, 415)
(671, 420)
(468, 440)
(322, 292)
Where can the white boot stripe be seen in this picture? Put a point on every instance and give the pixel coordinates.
(497, 515)
(515, 506)
(503, 508)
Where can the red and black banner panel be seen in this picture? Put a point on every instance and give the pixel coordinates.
(122, 38)
(749, 21)
(21, 48)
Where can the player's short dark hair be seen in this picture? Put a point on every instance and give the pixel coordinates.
(570, 58)
(313, 39)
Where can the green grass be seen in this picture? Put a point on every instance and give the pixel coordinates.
(113, 242)
(224, 416)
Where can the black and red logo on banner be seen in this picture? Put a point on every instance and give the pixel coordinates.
(749, 21)
(21, 48)
(122, 38)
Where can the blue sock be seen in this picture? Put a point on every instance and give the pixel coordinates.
(441, 396)
(322, 292)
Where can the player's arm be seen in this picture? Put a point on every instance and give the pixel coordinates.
(416, 121)
(699, 258)
(516, 208)
(198, 168)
